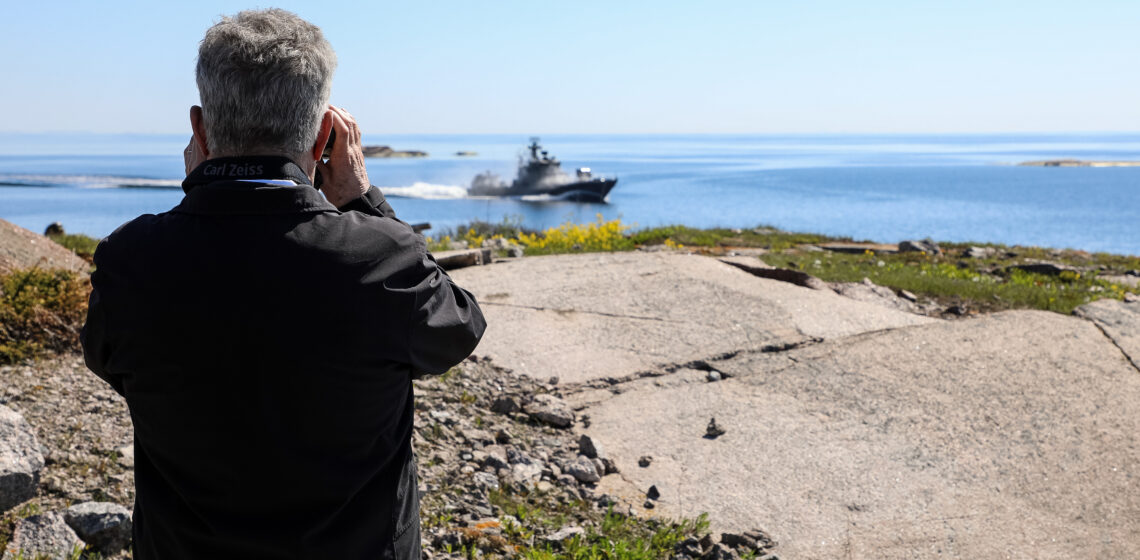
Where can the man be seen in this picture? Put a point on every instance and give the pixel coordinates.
(265, 336)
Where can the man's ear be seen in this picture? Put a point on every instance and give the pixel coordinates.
(318, 148)
(199, 127)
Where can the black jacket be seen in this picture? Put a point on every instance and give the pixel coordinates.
(265, 342)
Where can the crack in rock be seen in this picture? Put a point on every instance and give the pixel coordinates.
(704, 364)
(570, 311)
(1127, 357)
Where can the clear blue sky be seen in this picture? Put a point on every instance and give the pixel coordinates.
(610, 66)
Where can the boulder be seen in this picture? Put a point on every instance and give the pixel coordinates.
(44, 537)
(551, 410)
(979, 252)
(20, 459)
(924, 246)
(103, 525)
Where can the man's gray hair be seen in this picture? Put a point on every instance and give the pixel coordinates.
(264, 78)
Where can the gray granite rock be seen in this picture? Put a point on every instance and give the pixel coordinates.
(582, 469)
(486, 481)
(44, 536)
(103, 525)
(564, 534)
(924, 246)
(20, 459)
(590, 448)
(525, 474)
(505, 405)
(550, 410)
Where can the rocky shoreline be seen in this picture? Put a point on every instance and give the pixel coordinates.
(684, 384)
(485, 438)
(1079, 163)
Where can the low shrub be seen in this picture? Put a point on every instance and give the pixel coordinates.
(41, 311)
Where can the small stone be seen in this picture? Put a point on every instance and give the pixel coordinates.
(713, 376)
(713, 430)
(126, 455)
(44, 536)
(739, 541)
(551, 410)
(502, 437)
(496, 457)
(908, 296)
(553, 380)
(690, 548)
(645, 461)
(720, 552)
(582, 469)
(1130, 297)
(564, 534)
(590, 447)
(649, 504)
(505, 405)
(525, 474)
(486, 481)
(599, 466)
(653, 493)
(103, 525)
(610, 465)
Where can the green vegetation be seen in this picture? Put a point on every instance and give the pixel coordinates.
(763, 237)
(984, 285)
(41, 311)
(981, 284)
(83, 245)
(530, 514)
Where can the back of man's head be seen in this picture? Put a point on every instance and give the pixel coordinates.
(264, 78)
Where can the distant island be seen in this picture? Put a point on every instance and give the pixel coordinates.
(466, 153)
(388, 152)
(1079, 163)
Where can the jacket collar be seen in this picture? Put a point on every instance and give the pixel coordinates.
(231, 186)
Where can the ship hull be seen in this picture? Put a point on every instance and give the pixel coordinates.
(594, 190)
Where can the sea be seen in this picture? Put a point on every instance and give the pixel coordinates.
(884, 188)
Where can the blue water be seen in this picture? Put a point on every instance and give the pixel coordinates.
(878, 187)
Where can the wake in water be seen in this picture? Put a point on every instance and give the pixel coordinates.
(87, 181)
(426, 191)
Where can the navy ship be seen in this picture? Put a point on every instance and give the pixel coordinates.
(541, 177)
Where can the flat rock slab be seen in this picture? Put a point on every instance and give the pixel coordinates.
(1120, 321)
(20, 248)
(1015, 435)
(583, 317)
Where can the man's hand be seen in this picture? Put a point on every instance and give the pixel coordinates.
(192, 155)
(344, 176)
